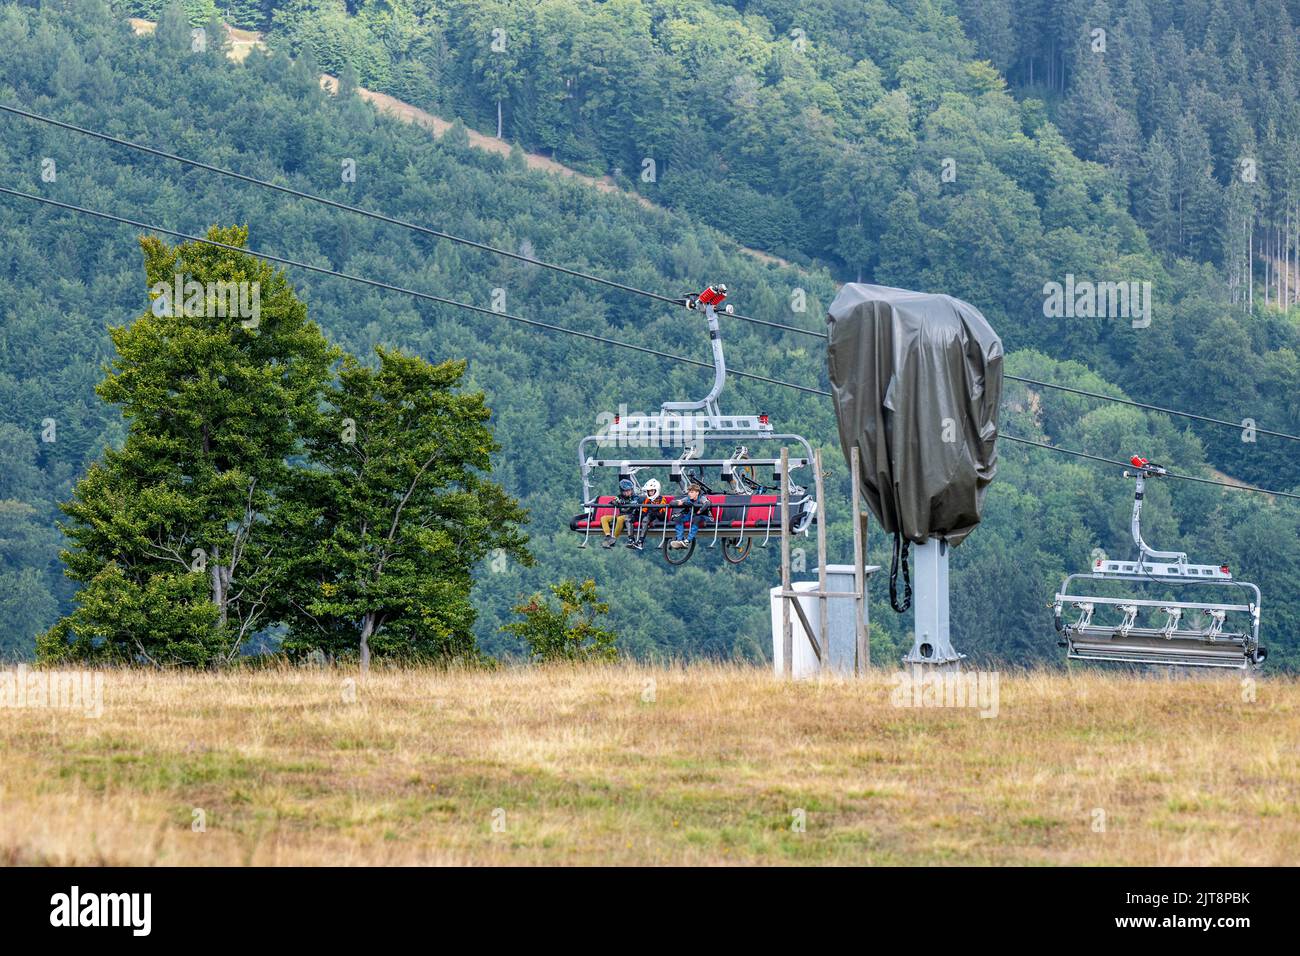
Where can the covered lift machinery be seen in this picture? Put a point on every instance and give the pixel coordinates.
(917, 379)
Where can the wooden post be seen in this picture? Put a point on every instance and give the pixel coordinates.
(823, 613)
(787, 628)
(865, 522)
(862, 650)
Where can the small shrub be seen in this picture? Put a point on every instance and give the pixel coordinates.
(569, 632)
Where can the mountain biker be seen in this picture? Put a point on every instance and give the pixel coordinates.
(692, 512)
(622, 504)
(653, 505)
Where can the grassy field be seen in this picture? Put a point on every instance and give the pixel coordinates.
(630, 765)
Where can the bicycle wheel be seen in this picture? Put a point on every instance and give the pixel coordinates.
(745, 480)
(736, 550)
(676, 556)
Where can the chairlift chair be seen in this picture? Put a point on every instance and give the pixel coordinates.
(1151, 630)
(744, 510)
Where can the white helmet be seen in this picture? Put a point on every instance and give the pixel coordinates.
(652, 488)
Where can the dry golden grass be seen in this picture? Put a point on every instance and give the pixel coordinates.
(586, 771)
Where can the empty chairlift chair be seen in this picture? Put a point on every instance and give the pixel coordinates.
(1158, 629)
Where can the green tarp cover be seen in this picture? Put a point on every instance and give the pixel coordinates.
(916, 380)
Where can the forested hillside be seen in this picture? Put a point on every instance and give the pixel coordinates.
(1193, 106)
(805, 149)
(878, 139)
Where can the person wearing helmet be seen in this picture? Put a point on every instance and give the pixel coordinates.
(626, 500)
(692, 511)
(653, 505)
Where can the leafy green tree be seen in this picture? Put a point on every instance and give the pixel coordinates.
(401, 512)
(570, 632)
(348, 81)
(28, 550)
(334, 38)
(175, 536)
(249, 14)
(497, 40)
(173, 31)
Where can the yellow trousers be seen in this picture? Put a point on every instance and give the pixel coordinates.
(618, 524)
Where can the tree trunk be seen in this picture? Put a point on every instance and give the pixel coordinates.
(1268, 275)
(219, 589)
(1285, 298)
(498, 119)
(367, 629)
(1278, 269)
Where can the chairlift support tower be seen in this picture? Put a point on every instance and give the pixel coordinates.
(932, 639)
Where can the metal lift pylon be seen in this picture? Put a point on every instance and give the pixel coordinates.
(931, 638)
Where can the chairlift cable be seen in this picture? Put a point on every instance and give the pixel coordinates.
(575, 273)
(1151, 408)
(441, 300)
(1124, 464)
(590, 336)
(381, 217)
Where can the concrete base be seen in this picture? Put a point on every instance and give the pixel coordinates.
(925, 667)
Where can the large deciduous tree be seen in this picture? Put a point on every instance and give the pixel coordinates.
(254, 489)
(177, 537)
(400, 510)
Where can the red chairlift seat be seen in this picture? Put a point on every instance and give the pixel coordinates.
(730, 516)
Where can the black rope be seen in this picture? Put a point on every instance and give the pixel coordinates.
(902, 546)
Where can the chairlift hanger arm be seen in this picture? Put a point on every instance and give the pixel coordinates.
(1145, 469)
(708, 300)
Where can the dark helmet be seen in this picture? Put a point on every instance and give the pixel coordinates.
(625, 484)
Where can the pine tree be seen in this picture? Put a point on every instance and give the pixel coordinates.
(173, 30)
(1155, 195)
(1200, 197)
(348, 81)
